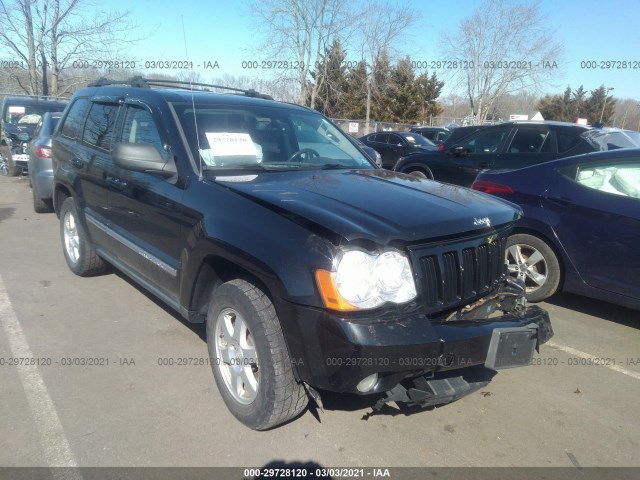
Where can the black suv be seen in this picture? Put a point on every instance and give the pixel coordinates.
(313, 268)
(20, 116)
(435, 134)
(505, 146)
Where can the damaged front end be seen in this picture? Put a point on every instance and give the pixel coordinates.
(509, 333)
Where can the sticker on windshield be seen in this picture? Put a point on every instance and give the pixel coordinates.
(16, 109)
(231, 144)
(228, 149)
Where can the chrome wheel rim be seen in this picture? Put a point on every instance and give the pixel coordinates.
(4, 166)
(527, 264)
(71, 238)
(236, 357)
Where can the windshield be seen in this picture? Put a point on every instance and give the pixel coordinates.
(232, 137)
(608, 140)
(30, 114)
(417, 139)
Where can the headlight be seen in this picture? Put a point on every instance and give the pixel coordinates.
(362, 280)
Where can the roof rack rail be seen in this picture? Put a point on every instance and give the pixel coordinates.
(141, 82)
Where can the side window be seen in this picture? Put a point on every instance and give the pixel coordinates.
(381, 138)
(139, 127)
(530, 140)
(485, 142)
(620, 178)
(395, 140)
(72, 127)
(99, 127)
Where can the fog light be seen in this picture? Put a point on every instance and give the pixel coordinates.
(367, 383)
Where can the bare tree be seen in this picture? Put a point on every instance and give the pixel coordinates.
(381, 26)
(299, 31)
(504, 47)
(49, 35)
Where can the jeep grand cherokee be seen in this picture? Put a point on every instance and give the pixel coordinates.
(312, 268)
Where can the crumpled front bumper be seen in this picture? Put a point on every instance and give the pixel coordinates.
(335, 353)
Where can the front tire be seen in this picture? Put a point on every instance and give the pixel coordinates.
(249, 357)
(531, 260)
(420, 171)
(81, 258)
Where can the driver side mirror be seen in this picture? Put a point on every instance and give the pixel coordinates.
(140, 157)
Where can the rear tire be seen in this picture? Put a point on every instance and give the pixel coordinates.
(81, 258)
(530, 259)
(249, 357)
(4, 165)
(13, 170)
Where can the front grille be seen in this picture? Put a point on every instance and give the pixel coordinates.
(455, 274)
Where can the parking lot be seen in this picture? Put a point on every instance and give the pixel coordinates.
(138, 405)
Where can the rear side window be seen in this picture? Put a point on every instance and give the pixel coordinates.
(567, 142)
(529, 140)
(72, 126)
(98, 130)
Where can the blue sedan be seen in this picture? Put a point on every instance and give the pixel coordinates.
(581, 227)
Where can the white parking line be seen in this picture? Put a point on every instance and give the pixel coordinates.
(53, 441)
(581, 354)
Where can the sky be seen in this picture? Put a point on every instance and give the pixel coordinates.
(225, 32)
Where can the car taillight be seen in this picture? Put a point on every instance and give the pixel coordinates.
(491, 187)
(43, 152)
(441, 147)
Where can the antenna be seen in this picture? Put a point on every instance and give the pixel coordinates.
(193, 105)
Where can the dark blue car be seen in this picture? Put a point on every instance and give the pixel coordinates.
(581, 227)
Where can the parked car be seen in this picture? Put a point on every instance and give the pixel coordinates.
(508, 146)
(40, 162)
(393, 145)
(20, 116)
(581, 227)
(373, 155)
(313, 271)
(437, 135)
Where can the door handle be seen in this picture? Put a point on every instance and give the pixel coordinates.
(116, 182)
(76, 162)
(483, 164)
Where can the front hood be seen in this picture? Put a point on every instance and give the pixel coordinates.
(377, 205)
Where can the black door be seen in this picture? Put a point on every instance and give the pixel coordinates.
(144, 209)
(463, 162)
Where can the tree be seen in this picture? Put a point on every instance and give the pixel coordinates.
(380, 26)
(49, 35)
(508, 48)
(576, 104)
(599, 106)
(331, 75)
(300, 31)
